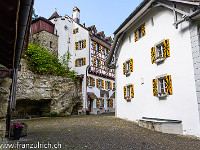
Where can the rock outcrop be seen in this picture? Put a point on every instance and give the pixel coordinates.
(37, 95)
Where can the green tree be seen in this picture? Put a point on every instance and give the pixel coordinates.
(34, 15)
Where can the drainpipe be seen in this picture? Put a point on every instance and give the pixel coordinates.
(86, 77)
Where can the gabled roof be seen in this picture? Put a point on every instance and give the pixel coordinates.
(140, 11)
(43, 19)
(54, 15)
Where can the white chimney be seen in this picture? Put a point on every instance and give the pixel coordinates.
(76, 15)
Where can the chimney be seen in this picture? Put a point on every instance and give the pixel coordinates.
(76, 15)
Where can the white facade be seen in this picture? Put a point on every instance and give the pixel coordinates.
(64, 28)
(182, 104)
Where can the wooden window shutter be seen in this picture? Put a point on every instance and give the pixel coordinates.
(100, 64)
(76, 62)
(124, 92)
(102, 102)
(95, 44)
(110, 85)
(111, 103)
(113, 86)
(99, 48)
(107, 102)
(155, 87)
(84, 43)
(132, 91)
(153, 55)
(106, 85)
(131, 65)
(76, 45)
(94, 62)
(97, 104)
(168, 84)
(102, 83)
(166, 48)
(87, 81)
(83, 61)
(124, 68)
(143, 30)
(97, 85)
(93, 82)
(74, 31)
(136, 36)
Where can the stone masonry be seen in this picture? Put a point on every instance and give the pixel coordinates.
(47, 40)
(4, 98)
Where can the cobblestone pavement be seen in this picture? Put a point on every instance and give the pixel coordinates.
(102, 132)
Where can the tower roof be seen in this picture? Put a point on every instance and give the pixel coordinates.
(76, 9)
(54, 15)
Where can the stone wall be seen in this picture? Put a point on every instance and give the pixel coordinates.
(37, 95)
(47, 40)
(4, 98)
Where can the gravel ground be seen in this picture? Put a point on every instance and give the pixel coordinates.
(102, 132)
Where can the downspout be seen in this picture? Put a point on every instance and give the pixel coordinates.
(86, 77)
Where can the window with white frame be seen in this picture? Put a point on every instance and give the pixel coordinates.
(80, 62)
(97, 63)
(90, 81)
(80, 44)
(128, 66)
(108, 85)
(100, 83)
(160, 50)
(128, 91)
(161, 86)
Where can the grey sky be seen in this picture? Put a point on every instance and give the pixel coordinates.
(106, 15)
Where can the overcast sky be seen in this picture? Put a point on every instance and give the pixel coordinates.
(106, 15)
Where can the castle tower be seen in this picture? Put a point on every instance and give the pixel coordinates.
(76, 15)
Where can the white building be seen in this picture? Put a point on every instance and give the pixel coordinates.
(89, 51)
(156, 56)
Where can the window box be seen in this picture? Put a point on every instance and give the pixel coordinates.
(162, 94)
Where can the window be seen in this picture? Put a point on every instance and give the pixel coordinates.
(50, 44)
(66, 28)
(140, 32)
(160, 52)
(90, 81)
(129, 92)
(80, 45)
(75, 31)
(100, 83)
(128, 67)
(162, 86)
(97, 47)
(106, 51)
(80, 62)
(100, 103)
(97, 63)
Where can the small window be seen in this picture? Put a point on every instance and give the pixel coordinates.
(80, 62)
(127, 67)
(100, 83)
(160, 50)
(90, 81)
(50, 44)
(106, 51)
(66, 28)
(161, 86)
(97, 47)
(108, 85)
(80, 44)
(128, 91)
(97, 63)
(139, 32)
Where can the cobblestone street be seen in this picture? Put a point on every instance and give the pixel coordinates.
(102, 132)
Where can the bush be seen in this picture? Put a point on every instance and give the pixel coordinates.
(41, 61)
